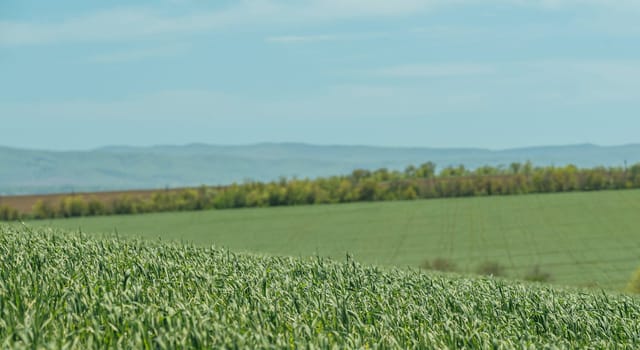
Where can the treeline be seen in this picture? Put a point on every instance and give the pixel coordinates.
(420, 182)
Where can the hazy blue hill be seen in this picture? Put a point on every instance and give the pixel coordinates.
(123, 167)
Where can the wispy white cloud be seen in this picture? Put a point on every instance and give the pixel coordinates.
(110, 25)
(301, 39)
(137, 22)
(330, 104)
(344, 9)
(551, 86)
(547, 82)
(427, 70)
(141, 22)
(578, 82)
(139, 54)
(605, 69)
(557, 4)
(293, 39)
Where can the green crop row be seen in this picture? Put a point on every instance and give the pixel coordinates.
(60, 290)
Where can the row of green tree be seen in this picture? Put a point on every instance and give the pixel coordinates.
(420, 182)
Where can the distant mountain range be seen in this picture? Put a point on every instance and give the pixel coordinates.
(119, 167)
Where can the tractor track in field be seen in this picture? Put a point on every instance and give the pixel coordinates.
(594, 212)
(576, 256)
(530, 237)
(402, 238)
(452, 236)
(505, 238)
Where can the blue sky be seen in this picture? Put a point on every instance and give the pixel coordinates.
(435, 73)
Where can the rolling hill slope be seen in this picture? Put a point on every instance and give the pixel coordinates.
(60, 290)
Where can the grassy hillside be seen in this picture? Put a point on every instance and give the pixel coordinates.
(62, 290)
(119, 168)
(579, 238)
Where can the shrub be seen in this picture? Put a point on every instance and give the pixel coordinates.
(123, 205)
(8, 213)
(634, 283)
(440, 264)
(491, 268)
(43, 210)
(96, 207)
(410, 193)
(72, 206)
(537, 275)
(591, 285)
(163, 201)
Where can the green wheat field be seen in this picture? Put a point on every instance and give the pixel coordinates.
(587, 239)
(70, 291)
